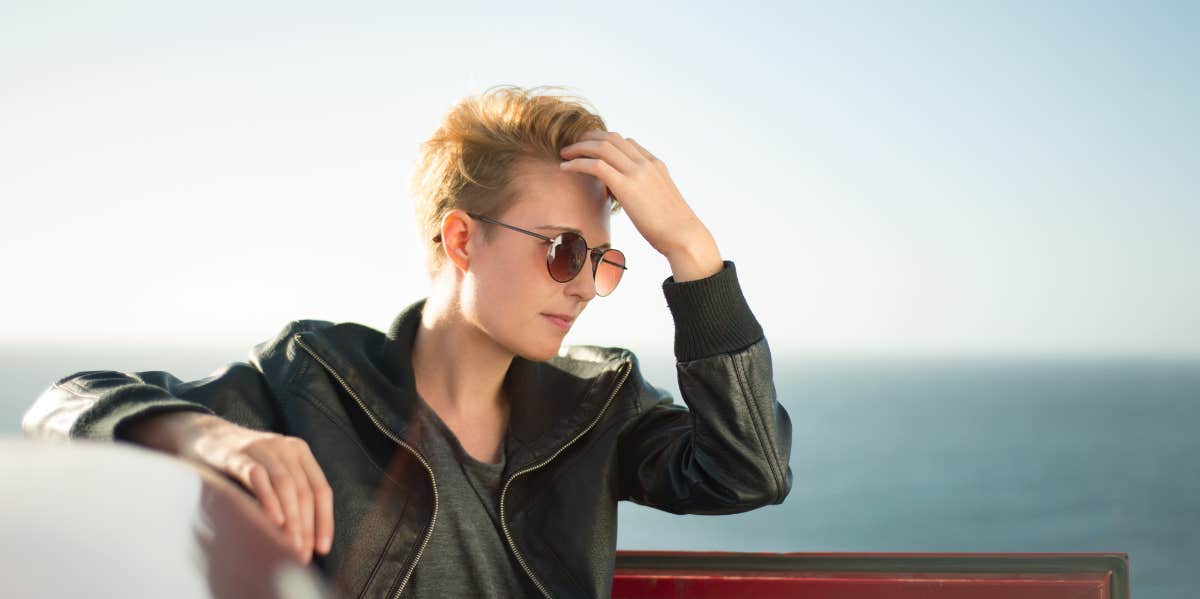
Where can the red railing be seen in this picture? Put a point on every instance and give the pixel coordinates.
(698, 575)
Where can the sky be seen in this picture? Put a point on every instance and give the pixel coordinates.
(927, 178)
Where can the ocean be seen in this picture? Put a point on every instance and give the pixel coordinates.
(908, 454)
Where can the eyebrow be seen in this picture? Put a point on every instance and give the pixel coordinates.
(605, 245)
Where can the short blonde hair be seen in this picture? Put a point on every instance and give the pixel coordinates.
(469, 161)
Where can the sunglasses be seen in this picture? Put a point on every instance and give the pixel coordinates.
(567, 253)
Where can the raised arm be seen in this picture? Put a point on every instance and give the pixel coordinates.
(729, 452)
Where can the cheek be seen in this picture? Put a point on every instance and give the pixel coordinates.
(509, 300)
(523, 274)
(511, 291)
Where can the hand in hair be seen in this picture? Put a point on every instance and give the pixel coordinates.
(640, 182)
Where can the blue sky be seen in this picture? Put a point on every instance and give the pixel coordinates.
(932, 178)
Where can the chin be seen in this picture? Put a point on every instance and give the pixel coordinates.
(540, 353)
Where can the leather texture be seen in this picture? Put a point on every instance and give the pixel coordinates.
(586, 431)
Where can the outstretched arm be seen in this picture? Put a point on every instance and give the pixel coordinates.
(228, 421)
(102, 404)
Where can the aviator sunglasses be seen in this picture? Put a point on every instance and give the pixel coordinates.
(567, 253)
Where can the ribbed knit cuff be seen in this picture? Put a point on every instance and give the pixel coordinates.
(110, 417)
(711, 315)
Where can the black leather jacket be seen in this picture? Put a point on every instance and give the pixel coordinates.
(585, 431)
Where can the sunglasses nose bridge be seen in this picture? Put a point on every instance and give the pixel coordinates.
(583, 282)
(594, 258)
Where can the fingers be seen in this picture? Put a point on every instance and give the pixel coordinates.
(614, 156)
(323, 498)
(304, 504)
(595, 167)
(255, 477)
(628, 146)
(285, 487)
(646, 153)
(620, 142)
(313, 498)
(284, 476)
(606, 154)
(316, 500)
(274, 485)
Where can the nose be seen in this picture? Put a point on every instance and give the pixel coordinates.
(583, 285)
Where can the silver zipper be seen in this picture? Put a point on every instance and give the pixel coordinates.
(393, 437)
(504, 525)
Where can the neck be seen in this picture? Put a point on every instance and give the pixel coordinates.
(459, 370)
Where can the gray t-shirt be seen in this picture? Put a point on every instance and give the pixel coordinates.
(467, 555)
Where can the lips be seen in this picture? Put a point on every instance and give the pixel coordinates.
(562, 321)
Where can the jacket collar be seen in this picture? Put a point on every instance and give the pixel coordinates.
(552, 401)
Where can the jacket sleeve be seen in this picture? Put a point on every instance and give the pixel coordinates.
(100, 405)
(729, 452)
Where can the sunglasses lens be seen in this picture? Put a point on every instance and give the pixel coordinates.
(609, 271)
(566, 256)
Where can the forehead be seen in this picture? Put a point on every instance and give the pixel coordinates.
(548, 197)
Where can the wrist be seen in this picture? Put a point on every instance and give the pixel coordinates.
(168, 431)
(698, 258)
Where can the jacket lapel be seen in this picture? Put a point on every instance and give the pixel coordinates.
(552, 401)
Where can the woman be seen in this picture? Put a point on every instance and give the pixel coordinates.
(466, 452)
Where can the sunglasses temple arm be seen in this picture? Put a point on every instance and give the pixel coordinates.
(601, 259)
(517, 229)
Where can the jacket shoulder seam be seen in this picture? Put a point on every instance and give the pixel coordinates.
(80, 392)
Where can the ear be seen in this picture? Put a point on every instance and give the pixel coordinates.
(456, 232)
